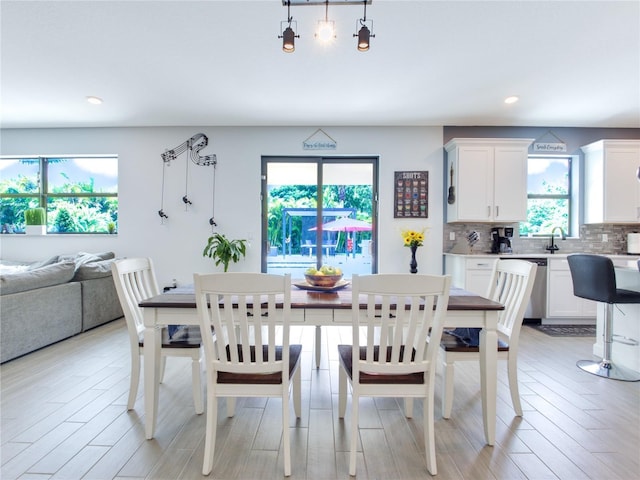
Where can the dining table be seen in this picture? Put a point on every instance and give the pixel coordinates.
(322, 309)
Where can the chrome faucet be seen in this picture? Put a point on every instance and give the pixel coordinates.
(553, 247)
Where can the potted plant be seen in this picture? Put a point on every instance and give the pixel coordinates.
(34, 219)
(222, 250)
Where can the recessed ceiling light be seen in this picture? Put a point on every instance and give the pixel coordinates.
(94, 100)
(511, 99)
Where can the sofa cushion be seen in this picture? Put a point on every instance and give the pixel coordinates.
(86, 257)
(41, 277)
(11, 266)
(91, 270)
(101, 255)
(44, 263)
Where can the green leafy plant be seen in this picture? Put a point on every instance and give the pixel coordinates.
(34, 216)
(222, 250)
(64, 222)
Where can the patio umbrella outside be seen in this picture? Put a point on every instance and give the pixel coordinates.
(345, 224)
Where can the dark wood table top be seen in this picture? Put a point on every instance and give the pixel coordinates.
(459, 299)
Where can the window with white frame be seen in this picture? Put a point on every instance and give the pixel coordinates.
(79, 193)
(548, 195)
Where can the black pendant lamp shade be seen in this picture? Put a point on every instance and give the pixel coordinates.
(363, 39)
(288, 40)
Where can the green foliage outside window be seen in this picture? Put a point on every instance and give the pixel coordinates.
(549, 195)
(73, 201)
(304, 196)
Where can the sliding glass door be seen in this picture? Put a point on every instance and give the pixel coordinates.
(319, 211)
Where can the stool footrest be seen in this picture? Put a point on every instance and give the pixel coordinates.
(624, 340)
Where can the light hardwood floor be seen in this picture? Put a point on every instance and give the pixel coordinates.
(64, 417)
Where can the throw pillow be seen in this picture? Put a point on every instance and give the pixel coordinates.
(101, 255)
(92, 270)
(41, 277)
(44, 263)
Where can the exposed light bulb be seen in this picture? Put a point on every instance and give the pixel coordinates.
(325, 31)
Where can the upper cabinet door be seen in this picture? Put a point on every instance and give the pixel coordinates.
(490, 179)
(510, 173)
(612, 190)
(474, 191)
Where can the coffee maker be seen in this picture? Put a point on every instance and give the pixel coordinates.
(501, 239)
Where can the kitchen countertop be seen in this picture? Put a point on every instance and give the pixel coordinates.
(613, 256)
(626, 264)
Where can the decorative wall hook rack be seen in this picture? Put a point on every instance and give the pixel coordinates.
(193, 145)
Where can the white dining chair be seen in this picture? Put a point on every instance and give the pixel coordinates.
(511, 284)
(394, 350)
(135, 280)
(250, 354)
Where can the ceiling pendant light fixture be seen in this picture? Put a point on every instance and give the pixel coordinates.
(364, 34)
(326, 28)
(288, 35)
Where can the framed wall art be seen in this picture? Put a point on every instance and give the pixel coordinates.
(411, 195)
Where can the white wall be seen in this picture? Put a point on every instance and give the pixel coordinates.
(176, 247)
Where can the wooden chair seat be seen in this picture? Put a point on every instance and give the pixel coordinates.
(346, 361)
(262, 378)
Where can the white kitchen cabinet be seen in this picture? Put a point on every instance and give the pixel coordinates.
(489, 179)
(472, 274)
(612, 191)
(561, 302)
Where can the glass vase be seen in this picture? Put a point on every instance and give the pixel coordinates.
(414, 263)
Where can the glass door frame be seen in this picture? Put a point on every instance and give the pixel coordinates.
(319, 160)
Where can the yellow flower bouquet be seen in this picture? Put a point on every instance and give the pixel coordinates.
(412, 238)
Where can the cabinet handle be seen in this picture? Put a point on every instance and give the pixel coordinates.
(488, 211)
(497, 211)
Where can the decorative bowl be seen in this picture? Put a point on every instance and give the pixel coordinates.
(322, 280)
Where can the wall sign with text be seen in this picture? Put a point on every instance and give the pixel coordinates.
(411, 195)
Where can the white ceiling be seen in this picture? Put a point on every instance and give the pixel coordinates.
(214, 62)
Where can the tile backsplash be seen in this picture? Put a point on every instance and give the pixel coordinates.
(589, 241)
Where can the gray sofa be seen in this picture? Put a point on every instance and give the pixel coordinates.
(44, 302)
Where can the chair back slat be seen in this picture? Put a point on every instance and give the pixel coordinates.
(135, 281)
(401, 330)
(511, 285)
(249, 314)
